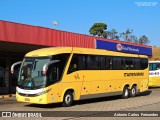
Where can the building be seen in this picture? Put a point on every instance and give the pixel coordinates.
(17, 39)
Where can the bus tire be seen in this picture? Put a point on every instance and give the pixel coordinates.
(133, 91)
(125, 93)
(68, 99)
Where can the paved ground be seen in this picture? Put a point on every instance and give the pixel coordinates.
(6, 96)
(93, 108)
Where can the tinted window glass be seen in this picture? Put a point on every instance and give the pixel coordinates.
(129, 63)
(109, 63)
(55, 70)
(118, 64)
(144, 63)
(91, 62)
(154, 66)
(137, 64)
(78, 62)
(98, 62)
(102, 63)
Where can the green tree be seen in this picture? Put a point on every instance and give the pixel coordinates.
(117, 37)
(98, 29)
(143, 40)
(126, 35)
(134, 39)
(113, 34)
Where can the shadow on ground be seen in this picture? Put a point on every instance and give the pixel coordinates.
(88, 101)
(146, 93)
(153, 88)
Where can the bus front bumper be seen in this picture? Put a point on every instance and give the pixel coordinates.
(41, 99)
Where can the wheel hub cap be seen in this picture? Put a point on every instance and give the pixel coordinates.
(68, 99)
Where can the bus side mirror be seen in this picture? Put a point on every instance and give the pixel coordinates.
(12, 67)
(45, 67)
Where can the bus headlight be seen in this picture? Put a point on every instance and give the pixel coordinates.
(43, 92)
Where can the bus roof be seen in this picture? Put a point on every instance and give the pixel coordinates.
(59, 50)
(157, 61)
(49, 51)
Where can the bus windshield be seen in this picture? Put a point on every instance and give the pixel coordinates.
(31, 74)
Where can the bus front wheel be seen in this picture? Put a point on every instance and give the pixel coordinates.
(125, 93)
(68, 99)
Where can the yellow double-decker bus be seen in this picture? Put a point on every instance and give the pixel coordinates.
(154, 73)
(67, 74)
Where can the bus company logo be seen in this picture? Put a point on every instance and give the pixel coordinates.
(119, 47)
(127, 48)
(133, 74)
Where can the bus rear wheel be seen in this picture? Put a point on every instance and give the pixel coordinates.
(125, 93)
(133, 91)
(68, 99)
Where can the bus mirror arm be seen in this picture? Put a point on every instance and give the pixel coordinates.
(45, 67)
(12, 67)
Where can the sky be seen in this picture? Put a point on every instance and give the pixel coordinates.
(143, 16)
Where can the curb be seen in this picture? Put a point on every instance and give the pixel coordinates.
(7, 96)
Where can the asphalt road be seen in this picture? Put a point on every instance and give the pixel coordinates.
(100, 108)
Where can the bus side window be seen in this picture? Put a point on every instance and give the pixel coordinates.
(144, 63)
(150, 66)
(73, 64)
(109, 63)
(53, 74)
(137, 64)
(78, 62)
(123, 65)
(91, 62)
(81, 62)
(154, 67)
(102, 62)
(129, 64)
(119, 63)
(158, 66)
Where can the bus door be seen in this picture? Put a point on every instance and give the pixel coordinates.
(77, 73)
(53, 76)
(86, 86)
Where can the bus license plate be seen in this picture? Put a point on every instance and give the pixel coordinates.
(27, 99)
